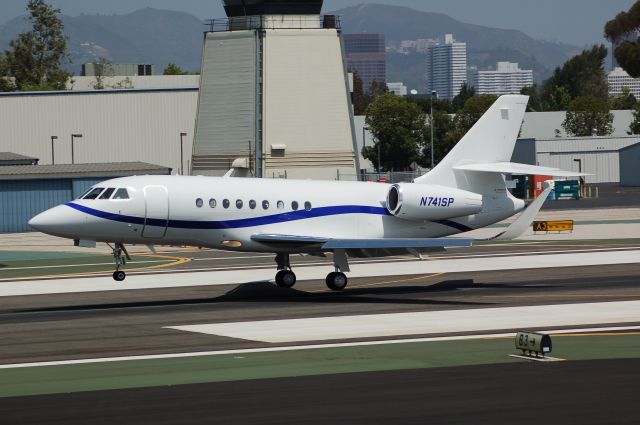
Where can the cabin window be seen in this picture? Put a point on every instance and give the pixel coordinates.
(212, 203)
(93, 194)
(107, 193)
(121, 194)
(239, 204)
(199, 202)
(252, 204)
(265, 205)
(226, 203)
(294, 205)
(307, 206)
(280, 205)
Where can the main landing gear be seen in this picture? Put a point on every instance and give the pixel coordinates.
(118, 249)
(336, 280)
(285, 278)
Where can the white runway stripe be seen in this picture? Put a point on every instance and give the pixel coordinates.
(420, 323)
(368, 269)
(303, 347)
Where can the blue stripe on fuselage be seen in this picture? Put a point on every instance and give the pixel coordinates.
(249, 222)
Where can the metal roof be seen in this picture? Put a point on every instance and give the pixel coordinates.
(10, 156)
(113, 169)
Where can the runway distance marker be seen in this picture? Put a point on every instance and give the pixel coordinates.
(553, 226)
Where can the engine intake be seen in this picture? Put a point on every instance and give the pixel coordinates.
(411, 201)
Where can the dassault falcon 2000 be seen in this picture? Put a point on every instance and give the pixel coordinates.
(465, 191)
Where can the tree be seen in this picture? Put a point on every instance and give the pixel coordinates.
(35, 57)
(399, 130)
(582, 75)
(466, 93)
(103, 68)
(443, 136)
(623, 29)
(473, 109)
(559, 99)
(634, 128)
(623, 102)
(587, 115)
(173, 69)
(6, 83)
(378, 88)
(535, 98)
(360, 98)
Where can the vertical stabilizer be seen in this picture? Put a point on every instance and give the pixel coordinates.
(490, 140)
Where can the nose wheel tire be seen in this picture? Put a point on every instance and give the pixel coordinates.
(119, 275)
(336, 281)
(285, 278)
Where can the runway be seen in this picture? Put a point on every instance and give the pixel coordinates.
(394, 321)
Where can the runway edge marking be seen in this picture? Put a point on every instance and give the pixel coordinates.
(299, 347)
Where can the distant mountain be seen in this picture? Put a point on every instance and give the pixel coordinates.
(485, 46)
(161, 36)
(144, 36)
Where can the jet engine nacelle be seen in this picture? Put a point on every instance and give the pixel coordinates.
(412, 201)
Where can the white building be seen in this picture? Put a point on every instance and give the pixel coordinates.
(507, 78)
(447, 67)
(398, 89)
(618, 79)
(116, 126)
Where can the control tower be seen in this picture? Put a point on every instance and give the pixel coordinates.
(274, 92)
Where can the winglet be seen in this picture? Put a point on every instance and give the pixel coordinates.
(518, 227)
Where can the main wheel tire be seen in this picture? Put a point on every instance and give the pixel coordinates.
(119, 275)
(336, 281)
(285, 278)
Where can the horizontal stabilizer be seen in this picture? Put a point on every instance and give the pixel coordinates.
(516, 168)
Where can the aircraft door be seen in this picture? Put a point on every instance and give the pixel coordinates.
(157, 211)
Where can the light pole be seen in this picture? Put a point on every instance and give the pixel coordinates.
(53, 158)
(433, 94)
(182, 135)
(73, 137)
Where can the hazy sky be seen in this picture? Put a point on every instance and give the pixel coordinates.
(577, 22)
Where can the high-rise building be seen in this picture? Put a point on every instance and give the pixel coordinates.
(507, 78)
(618, 79)
(365, 54)
(446, 67)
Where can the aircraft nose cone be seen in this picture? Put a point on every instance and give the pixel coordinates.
(52, 221)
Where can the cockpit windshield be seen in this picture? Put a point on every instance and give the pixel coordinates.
(108, 193)
(93, 193)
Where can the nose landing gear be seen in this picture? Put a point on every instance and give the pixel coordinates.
(118, 249)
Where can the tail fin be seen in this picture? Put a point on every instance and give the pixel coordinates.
(490, 140)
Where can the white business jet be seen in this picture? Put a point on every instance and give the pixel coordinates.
(466, 191)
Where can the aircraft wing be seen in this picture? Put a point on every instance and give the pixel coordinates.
(329, 244)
